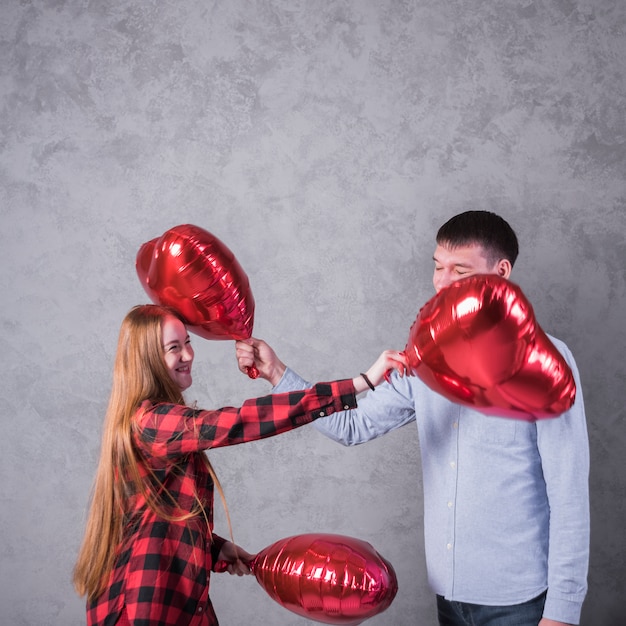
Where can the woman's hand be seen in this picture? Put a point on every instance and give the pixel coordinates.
(256, 352)
(234, 560)
(387, 361)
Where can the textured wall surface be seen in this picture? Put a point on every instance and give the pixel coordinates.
(323, 142)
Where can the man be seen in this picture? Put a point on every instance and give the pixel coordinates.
(506, 505)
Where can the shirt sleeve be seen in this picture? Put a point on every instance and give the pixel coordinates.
(171, 430)
(389, 407)
(564, 448)
(216, 546)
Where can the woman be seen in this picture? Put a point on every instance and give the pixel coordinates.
(149, 544)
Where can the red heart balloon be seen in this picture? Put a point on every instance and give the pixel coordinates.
(477, 343)
(191, 271)
(332, 579)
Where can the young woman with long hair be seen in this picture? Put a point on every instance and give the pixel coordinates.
(149, 545)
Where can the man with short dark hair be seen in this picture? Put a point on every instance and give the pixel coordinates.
(506, 502)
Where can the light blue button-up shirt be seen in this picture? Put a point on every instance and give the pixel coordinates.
(506, 502)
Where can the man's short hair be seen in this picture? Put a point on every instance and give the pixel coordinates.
(483, 228)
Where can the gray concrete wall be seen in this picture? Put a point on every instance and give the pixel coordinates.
(324, 142)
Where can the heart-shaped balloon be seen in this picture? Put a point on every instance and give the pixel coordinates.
(191, 271)
(327, 578)
(477, 343)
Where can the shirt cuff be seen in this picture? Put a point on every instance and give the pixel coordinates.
(346, 398)
(561, 610)
(290, 381)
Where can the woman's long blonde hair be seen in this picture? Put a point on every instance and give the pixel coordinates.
(139, 374)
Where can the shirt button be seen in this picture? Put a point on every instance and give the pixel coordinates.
(199, 609)
(452, 464)
(455, 425)
(449, 505)
(449, 546)
(346, 406)
(322, 413)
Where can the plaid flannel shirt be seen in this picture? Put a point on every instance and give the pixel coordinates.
(161, 572)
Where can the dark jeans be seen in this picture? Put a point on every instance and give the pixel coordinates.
(464, 614)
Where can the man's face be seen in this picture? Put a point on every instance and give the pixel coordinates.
(452, 264)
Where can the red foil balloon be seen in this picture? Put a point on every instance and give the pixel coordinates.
(477, 343)
(327, 578)
(194, 273)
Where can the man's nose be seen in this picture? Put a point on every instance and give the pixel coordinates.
(442, 279)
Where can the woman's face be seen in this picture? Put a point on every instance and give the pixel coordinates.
(178, 352)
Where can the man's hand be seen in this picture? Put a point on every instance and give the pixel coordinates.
(256, 352)
(550, 622)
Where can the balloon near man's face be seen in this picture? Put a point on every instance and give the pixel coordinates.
(477, 343)
(327, 578)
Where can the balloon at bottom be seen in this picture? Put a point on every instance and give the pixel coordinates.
(327, 578)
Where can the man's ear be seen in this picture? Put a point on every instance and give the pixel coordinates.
(504, 268)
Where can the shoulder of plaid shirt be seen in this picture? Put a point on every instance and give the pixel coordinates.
(162, 569)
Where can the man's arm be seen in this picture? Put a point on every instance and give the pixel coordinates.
(564, 448)
(389, 407)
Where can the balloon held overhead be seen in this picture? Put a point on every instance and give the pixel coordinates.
(191, 271)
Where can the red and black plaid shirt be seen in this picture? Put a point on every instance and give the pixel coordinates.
(161, 571)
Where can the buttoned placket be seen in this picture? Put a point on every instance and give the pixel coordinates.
(452, 471)
(199, 618)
